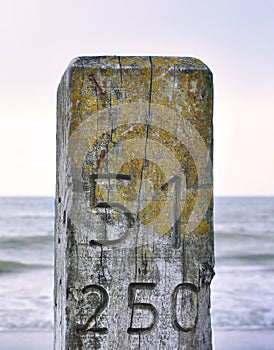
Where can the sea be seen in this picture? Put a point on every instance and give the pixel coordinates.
(242, 289)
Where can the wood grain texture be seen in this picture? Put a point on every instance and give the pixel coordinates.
(134, 245)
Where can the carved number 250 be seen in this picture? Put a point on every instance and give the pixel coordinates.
(186, 307)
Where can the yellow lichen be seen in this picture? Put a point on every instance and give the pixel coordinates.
(163, 82)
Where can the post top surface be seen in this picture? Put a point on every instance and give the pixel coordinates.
(135, 62)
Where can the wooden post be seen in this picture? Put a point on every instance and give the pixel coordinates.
(134, 235)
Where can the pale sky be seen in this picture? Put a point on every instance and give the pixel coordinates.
(235, 38)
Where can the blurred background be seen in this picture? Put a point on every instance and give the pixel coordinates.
(234, 38)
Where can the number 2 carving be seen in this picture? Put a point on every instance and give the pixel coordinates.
(90, 325)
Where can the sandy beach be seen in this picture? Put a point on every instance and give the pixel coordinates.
(223, 340)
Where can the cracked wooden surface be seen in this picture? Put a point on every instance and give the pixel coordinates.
(134, 246)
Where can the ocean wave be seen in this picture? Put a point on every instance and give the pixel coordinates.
(23, 325)
(243, 319)
(15, 266)
(249, 258)
(237, 234)
(25, 241)
(28, 215)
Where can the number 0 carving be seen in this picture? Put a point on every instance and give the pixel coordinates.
(90, 325)
(184, 310)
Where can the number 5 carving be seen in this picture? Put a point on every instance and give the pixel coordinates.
(90, 325)
(143, 306)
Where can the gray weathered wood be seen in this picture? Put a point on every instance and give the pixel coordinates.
(134, 235)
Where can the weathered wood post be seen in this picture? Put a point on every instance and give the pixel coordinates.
(134, 234)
